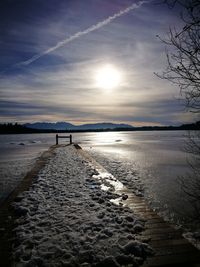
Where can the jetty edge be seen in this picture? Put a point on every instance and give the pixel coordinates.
(7, 212)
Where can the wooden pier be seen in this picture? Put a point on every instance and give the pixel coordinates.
(170, 247)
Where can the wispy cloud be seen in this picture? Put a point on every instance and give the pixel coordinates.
(81, 33)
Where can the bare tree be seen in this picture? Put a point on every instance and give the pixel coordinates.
(183, 54)
(183, 69)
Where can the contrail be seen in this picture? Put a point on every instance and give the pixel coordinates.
(81, 33)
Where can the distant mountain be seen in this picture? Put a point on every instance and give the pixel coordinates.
(104, 125)
(68, 126)
(50, 125)
(44, 127)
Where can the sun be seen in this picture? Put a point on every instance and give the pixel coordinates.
(107, 77)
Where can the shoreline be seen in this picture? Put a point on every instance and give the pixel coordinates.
(23, 129)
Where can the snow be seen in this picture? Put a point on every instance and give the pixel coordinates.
(124, 170)
(66, 219)
(193, 237)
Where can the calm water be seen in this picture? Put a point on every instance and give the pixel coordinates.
(155, 158)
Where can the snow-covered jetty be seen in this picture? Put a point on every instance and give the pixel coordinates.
(77, 214)
(66, 219)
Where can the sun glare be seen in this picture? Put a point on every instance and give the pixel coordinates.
(107, 77)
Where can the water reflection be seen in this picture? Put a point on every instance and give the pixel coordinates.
(103, 138)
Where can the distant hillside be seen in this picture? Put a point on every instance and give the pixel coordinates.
(50, 126)
(63, 126)
(39, 127)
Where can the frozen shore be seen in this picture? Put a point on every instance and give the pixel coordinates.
(67, 218)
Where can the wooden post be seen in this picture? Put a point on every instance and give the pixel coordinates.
(56, 139)
(61, 136)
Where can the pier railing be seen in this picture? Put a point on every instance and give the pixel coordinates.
(62, 136)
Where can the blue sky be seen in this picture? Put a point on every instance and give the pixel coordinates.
(60, 84)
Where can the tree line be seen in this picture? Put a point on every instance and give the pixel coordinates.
(15, 128)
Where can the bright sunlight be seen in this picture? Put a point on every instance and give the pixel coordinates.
(107, 77)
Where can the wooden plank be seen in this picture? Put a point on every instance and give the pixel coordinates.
(170, 242)
(163, 230)
(156, 225)
(162, 236)
(147, 215)
(142, 209)
(63, 136)
(174, 249)
(138, 205)
(135, 200)
(172, 260)
(154, 220)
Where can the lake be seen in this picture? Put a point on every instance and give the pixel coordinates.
(150, 162)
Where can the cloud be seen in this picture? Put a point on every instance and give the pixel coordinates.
(81, 33)
(69, 93)
(62, 86)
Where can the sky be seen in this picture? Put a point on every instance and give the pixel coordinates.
(52, 51)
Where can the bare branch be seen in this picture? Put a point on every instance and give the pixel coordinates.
(183, 69)
(183, 53)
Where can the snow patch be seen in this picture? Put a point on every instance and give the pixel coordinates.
(66, 219)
